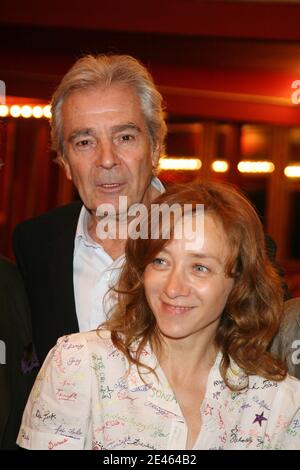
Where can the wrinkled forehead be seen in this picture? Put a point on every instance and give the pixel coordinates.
(102, 108)
(103, 94)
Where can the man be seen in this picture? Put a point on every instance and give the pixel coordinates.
(108, 129)
(17, 360)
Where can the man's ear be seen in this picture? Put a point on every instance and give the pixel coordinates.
(155, 156)
(65, 166)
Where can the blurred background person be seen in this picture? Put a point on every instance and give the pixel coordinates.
(18, 362)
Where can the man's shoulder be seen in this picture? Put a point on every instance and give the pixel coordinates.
(7, 265)
(63, 215)
(9, 275)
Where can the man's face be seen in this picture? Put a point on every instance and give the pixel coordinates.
(107, 146)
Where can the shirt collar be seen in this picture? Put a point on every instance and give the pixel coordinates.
(157, 184)
(82, 230)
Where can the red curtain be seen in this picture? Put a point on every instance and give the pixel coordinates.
(30, 182)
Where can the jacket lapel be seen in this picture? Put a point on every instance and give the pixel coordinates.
(62, 272)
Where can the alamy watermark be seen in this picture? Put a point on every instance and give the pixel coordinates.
(295, 97)
(2, 352)
(2, 92)
(295, 357)
(164, 222)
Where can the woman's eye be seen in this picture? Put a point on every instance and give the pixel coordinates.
(159, 262)
(200, 268)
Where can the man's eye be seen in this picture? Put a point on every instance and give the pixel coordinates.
(126, 138)
(83, 143)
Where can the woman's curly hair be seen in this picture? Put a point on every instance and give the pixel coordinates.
(253, 312)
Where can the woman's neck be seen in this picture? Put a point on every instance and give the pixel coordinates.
(186, 357)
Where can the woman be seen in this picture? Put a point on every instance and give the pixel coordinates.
(183, 362)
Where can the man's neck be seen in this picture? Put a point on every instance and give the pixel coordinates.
(115, 246)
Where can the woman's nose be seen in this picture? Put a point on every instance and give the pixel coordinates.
(175, 284)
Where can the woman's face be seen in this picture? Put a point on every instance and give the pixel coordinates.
(188, 290)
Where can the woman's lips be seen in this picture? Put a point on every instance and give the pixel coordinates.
(176, 309)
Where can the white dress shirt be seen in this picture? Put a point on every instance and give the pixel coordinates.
(94, 273)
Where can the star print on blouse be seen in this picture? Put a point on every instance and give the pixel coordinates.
(259, 418)
(106, 392)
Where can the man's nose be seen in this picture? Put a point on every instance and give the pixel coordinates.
(175, 284)
(107, 156)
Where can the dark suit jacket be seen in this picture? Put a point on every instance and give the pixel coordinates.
(16, 369)
(44, 249)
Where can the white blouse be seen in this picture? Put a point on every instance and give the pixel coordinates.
(85, 398)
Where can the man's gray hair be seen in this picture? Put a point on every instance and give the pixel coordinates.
(104, 70)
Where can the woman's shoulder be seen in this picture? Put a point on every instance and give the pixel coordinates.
(99, 338)
(285, 393)
(95, 342)
(291, 386)
(290, 383)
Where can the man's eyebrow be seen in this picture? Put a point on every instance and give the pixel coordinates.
(126, 126)
(81, 132)
(90, 131)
